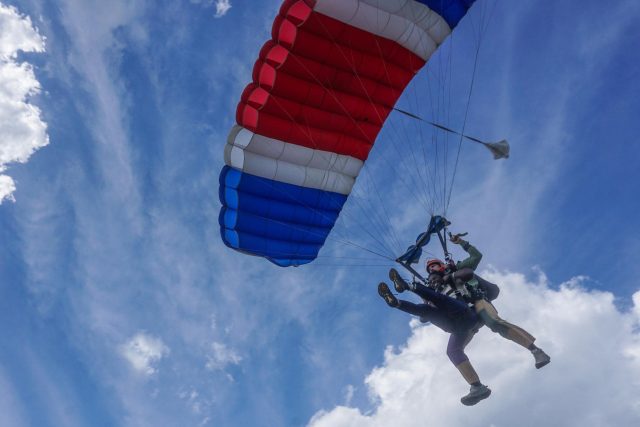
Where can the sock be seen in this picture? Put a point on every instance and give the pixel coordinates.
(533, 347)
(476, 384)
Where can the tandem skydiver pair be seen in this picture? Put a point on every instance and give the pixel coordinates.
(460, 302)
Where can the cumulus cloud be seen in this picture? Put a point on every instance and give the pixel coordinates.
(22, 131)
(221, 356)
(144, 352)
(593, 378)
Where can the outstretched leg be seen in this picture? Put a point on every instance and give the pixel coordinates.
(489, 315)
(452, 306)
(428, 313)
(455, 350)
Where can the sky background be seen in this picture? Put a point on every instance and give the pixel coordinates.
(120, 305)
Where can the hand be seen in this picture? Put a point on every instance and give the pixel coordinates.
(456, 238)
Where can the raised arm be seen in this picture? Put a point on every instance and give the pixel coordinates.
(474, 257)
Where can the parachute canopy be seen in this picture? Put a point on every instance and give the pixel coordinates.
(322, 88)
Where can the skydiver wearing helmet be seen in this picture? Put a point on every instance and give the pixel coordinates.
(449, 314)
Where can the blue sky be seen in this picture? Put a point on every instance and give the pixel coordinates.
(121, 305)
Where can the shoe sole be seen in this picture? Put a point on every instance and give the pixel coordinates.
(476, 399)
(396, 279)
(384, 291)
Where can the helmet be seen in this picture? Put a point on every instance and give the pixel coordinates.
(435, 266)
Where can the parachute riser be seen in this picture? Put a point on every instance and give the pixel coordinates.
(443, 242)
(406, 261)
(411, 270)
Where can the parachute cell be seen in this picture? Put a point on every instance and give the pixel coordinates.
(322, 89)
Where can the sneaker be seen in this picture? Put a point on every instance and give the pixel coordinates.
(385, 293)
(542, 358)
(476, 394)
(399, 283)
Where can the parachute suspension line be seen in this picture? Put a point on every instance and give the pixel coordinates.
(448, 108)
(464, 123)
(443, 107)
(355, 258)
(422, 167)
(439, 126)
(446, 116)
(388, 223)
(375, 221)
(482, 29)
(440, 106)
(319, 264)
(368, 250)
(397, 136)
(417, 139)
(420, 196)
(427, 175)
(390, 229)
(435, 77)
(418, 166)
(435, 159)
(432, 162)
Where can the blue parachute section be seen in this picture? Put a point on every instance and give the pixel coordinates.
(451, 10)
(284, 223)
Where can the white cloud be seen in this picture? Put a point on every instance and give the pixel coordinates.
(143, 352)
(17, 33)
(222, 7)
(592, 379)
(22, 130)
(7, 187)
(94, 56)
(221, 356)
(348, 394)
(636, 304)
